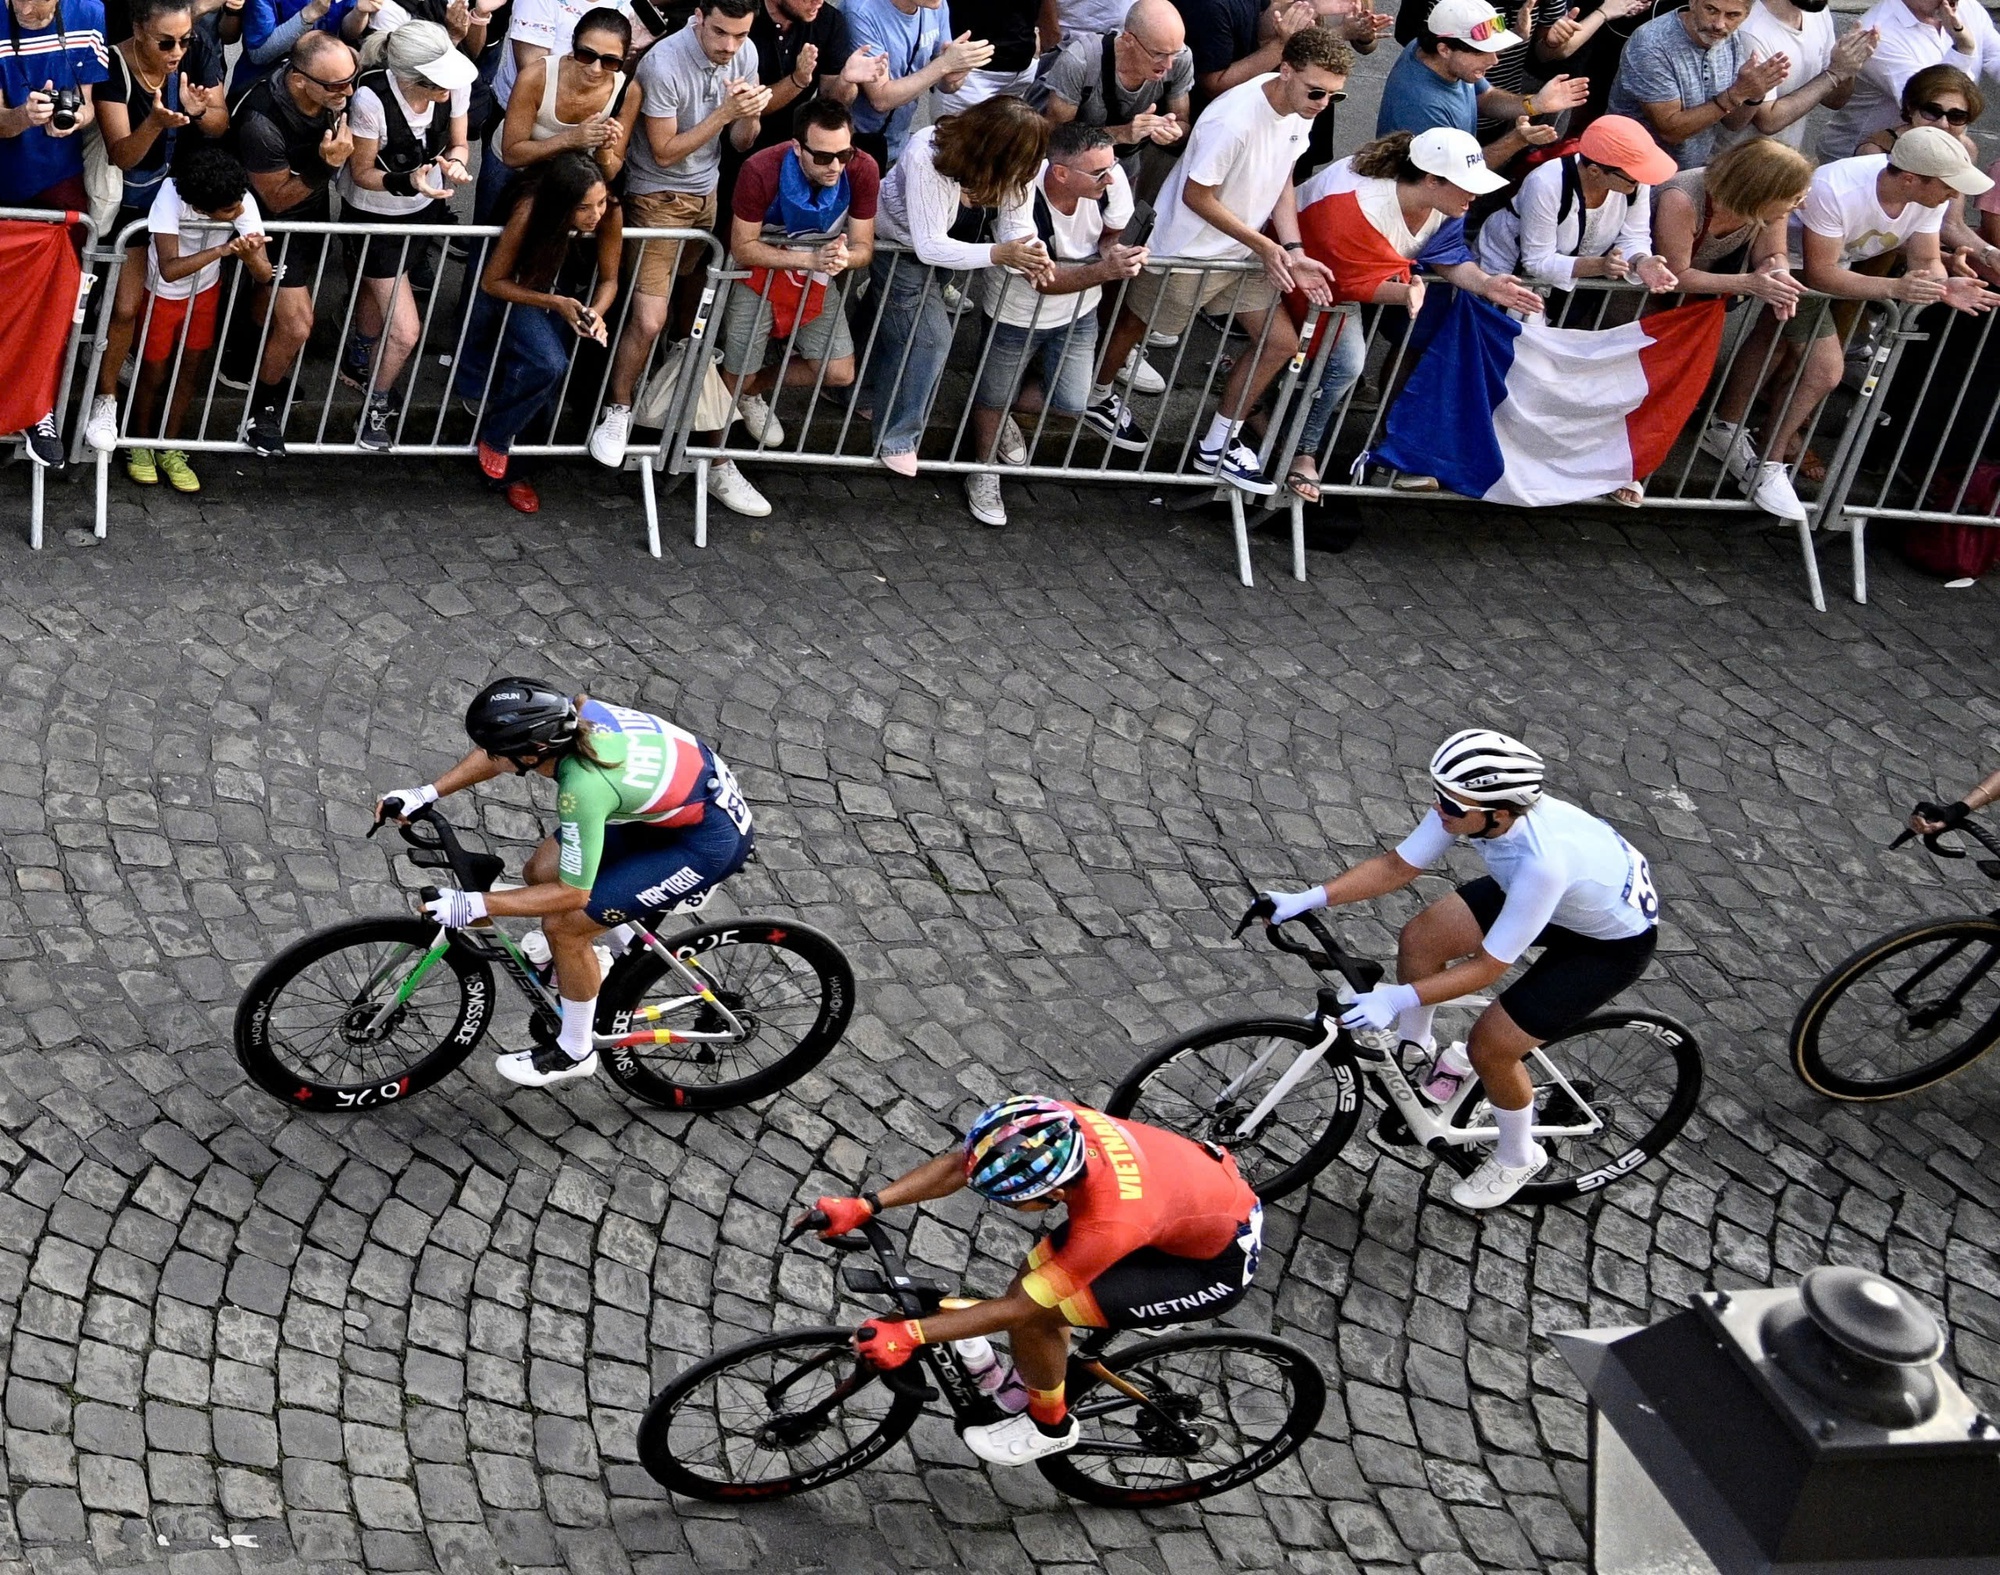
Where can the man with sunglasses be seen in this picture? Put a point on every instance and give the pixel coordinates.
(1557, 878)
(291, 133)
(1440, 81)
(804, 214)
(1913, 34)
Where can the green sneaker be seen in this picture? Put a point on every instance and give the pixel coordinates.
(180, 475)
(140, 467)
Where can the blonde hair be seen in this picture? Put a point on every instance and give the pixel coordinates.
(1753, 175)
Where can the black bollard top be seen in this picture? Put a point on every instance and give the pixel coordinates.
(1866, 1314)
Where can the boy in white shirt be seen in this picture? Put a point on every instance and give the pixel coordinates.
(204, 213)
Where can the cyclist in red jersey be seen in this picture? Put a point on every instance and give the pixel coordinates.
(1159, 1230)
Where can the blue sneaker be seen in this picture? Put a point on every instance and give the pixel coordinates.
(1237, 464)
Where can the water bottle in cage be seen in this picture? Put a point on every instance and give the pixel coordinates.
(996, 1379)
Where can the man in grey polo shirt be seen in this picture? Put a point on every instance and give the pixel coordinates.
(1688, 72)
(697, 86)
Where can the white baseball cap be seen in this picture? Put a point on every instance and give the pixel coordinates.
(1473, 22)
(1933, 151)
(1456, 156)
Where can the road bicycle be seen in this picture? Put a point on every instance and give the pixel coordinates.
(1164, 1420)
(1910, 1008)
(374, 1010)
(1284, 1094)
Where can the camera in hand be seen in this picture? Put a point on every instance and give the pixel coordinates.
(68, 102)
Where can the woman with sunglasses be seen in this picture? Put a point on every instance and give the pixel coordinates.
(1557, 878)
(163, 93)
(576, 104)
(1945, 97)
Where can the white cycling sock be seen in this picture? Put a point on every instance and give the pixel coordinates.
(1221, 431)
(1413, 1026)
(577, 1017)
(1515, 1148)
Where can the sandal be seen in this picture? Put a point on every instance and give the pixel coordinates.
(1811, 467)
(1629, 496)
(1302, 484)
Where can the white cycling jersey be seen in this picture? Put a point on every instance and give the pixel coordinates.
(1558, 865)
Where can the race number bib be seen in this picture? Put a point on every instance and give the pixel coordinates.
(1639, 891)
(1250, 1242)
(729, 798)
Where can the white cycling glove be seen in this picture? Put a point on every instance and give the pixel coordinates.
(1289, 905)
(400, 803)
(456, 909)
(1380, 1007)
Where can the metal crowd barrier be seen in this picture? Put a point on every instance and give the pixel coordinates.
(321, 413)
(1921, 458)
(38, 477)
(1747, 377)
(825, 426)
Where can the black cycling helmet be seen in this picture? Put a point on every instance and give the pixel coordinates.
(517, 717)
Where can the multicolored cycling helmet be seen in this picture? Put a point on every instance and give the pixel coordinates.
(1489, 769)
(1021, 1148)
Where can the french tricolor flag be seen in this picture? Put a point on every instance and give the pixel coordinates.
(1523, 413)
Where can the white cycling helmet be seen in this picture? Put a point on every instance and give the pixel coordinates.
(1479, 766)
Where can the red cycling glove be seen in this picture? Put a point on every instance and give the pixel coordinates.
(844, 1214)
(887, 1343)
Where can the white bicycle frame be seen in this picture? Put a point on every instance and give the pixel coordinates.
(1427, 1124)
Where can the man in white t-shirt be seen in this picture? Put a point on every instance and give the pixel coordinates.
(1912, 34)
(1860, 217)
(1231, 199)
(1823, 67)
(1082, 203)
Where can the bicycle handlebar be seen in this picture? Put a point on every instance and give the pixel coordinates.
(1328, 957)
(438, 846)
(1936, 848)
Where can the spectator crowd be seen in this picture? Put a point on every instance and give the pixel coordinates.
(883, 170)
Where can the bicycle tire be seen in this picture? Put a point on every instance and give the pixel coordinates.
(667, 1464)
(265, 1037)
(1283, 1155)
(815, 1019)
(1810, 1058)
(1657, 1120)
(1199, 1396)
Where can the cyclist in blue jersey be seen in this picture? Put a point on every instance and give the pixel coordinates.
(1557, 878)
(649, 818)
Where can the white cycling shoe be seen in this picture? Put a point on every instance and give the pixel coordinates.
(1017, 1441)
(1493, 1183)
(543, 1065)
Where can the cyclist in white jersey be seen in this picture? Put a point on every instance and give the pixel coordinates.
(1558, 878)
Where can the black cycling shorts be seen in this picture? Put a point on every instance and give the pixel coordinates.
(1149, 1287)
(1574, 975)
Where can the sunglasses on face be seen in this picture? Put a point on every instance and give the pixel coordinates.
(171, 46)
(1095, 177)
(1952, 117)
(1451, 810)
(344, 85)
(1335, 95)
(590, 57)
(835, 156)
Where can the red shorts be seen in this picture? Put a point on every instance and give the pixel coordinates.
(163, 332)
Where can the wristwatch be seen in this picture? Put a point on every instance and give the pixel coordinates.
(1293, 246)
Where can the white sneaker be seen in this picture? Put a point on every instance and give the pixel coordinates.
(765, 430)
(1164, 341)
(1493, 1183)
(1012, 448)
(607, 443)
(1773, 492)
(101, 433)
(543, 1065)
(1017, 1441)
(982, 496)
(732, 489)
(1145, 380)
(1728, 442)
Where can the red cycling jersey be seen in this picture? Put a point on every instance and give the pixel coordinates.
(1141, 1187)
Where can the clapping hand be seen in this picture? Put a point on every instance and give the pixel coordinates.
(744, 99)
(1283, 18)
(802, 73)
(1561, 93)
(866, 66)
(457, 20)
(1759, 75)
(1853, 50)
(196, 100)
(164, 115)
(1162, 129)
(593, 131)
(966, 53)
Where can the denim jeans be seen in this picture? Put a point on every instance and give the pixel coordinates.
(1343, 370)
(532, 358)
(912, 313)
(1068, 358)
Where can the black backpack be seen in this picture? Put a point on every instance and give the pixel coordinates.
(1036, 93)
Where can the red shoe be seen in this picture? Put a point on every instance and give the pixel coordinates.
(492, 462)
(523, 496)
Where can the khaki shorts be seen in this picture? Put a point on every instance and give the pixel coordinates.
(1168, 301)
(660, 262)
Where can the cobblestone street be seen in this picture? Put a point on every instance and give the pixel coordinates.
(1022, 778)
